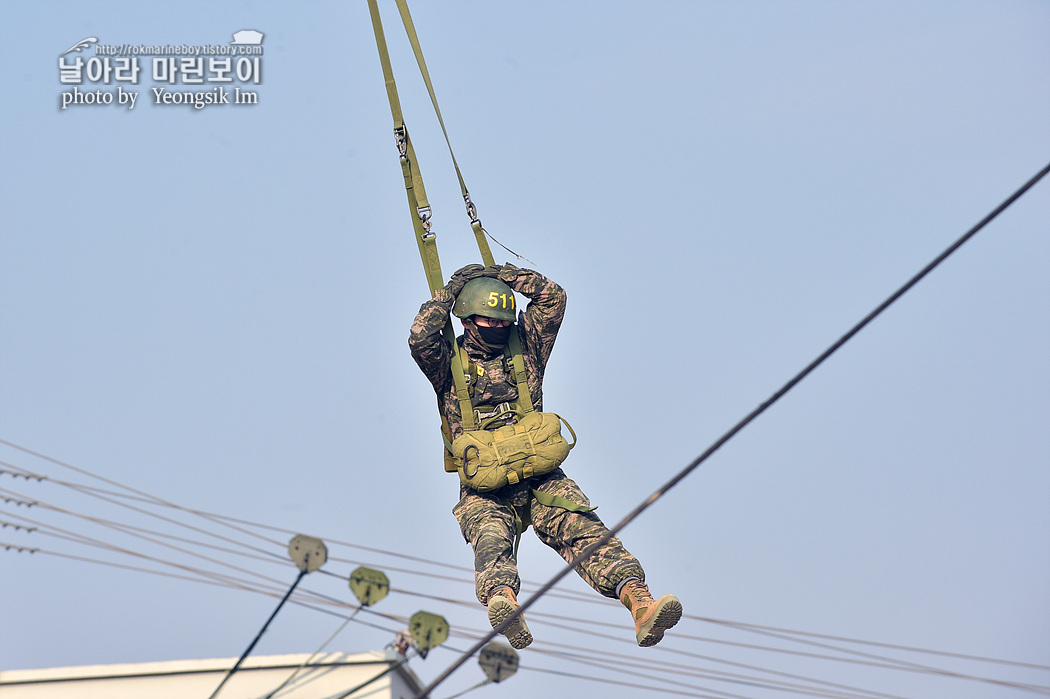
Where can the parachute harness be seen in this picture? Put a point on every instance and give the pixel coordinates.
(426, 240)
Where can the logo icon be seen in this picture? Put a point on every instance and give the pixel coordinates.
(83, 44)
(248, 37)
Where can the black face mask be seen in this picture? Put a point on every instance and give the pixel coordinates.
(495, 336)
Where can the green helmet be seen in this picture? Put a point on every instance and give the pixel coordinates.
(485, 296)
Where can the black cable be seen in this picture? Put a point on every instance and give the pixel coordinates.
(631, 516)
(141, 533)
(223, 520)
(739, 625)
(745, 681)
(756, 628)
(51, 530)
(617, 683)
(248, 650)
(625, 660)
(138, 569)
(571, 653)
(590, 598)
(854, 691)
(899, 664)
(902, 664)
(888, 663)
(152, 499)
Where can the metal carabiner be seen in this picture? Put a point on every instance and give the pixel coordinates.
(424, 216)
(465, 450)
(472, 211)
(401, 139)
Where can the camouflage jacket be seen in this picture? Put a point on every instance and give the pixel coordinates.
(537, 327)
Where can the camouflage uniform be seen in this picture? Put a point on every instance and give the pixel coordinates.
(489, 521)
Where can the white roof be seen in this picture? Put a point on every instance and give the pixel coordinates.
(328, 675)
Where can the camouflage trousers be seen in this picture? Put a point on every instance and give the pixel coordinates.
(490, 521)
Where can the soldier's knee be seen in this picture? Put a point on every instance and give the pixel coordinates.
(477, 522)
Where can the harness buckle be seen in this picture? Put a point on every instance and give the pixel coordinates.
(424, 215)
(472, 210)
(401, 139)
(498, 411)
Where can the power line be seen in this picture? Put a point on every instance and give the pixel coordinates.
(888, 664)
(303, 597)
(570, 656)
(401, 619)
(905, 665)
(810, 685)
(618, 683)
(745, 666)
(622, 659)
(18, 549)
(58, 532)
(573, 657)
(152, 499)
(248, 650)
(215, 517)
(631, 516)
(139, 569)
(575, 621)
(141, 533)
(756, 628)
(19, 473)
(755, 682)
(596, 661)
(832, 688)
(883, 661)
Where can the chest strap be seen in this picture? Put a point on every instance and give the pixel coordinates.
(463, 375)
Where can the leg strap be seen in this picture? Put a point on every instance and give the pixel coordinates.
(521, 524)
(561, 503)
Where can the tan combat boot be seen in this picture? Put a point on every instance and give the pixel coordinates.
(503, 603)
(651, 617)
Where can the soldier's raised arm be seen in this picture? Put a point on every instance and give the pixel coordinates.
(543, 316)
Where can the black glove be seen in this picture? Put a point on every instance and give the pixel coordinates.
(463, 275)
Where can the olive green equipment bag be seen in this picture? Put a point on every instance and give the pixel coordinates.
(489, 459)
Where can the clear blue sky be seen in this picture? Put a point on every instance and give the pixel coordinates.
(212, 306)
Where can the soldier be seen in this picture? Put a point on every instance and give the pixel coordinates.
(483, 299)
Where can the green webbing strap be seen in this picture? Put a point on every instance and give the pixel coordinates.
(466, 407)
(560, 502)
(521, 377)
(461, 368)
(417, 197)
(522, 524)
(420, 208)
(475, 223)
